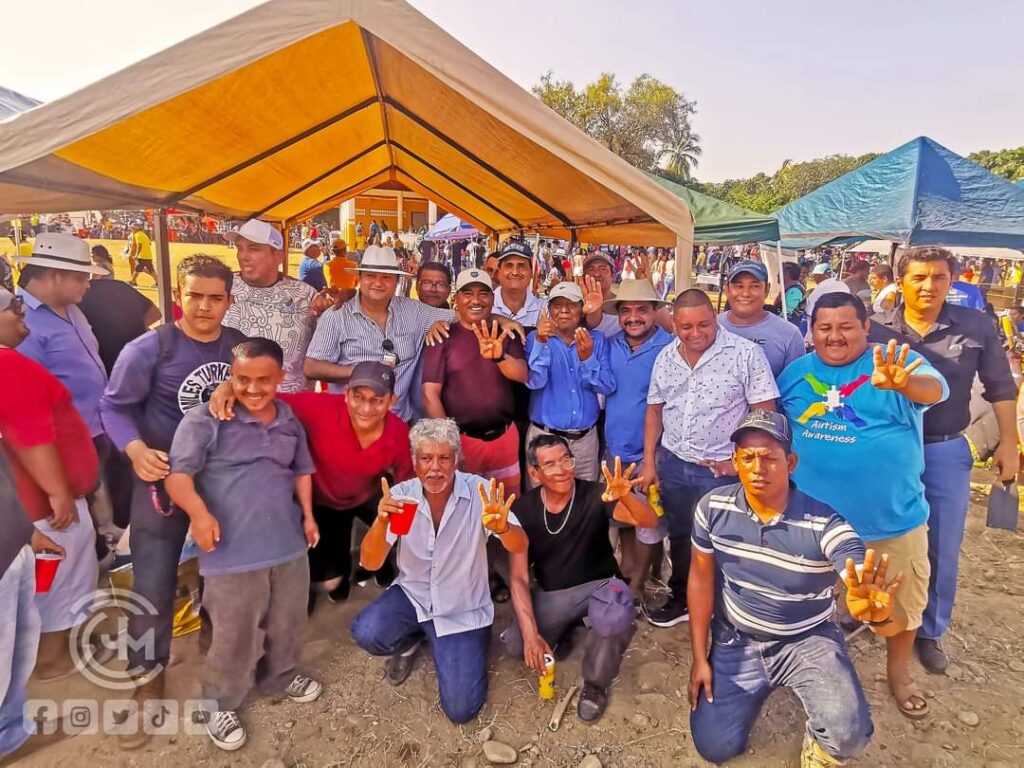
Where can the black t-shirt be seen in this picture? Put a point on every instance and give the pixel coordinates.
(580, 551)
(116, 312)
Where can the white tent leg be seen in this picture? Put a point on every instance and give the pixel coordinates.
(684, 265)
(782, 281)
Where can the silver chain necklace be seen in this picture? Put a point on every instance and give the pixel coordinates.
(565, 518)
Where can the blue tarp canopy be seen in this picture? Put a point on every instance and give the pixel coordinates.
(450, 227)
(919, 194)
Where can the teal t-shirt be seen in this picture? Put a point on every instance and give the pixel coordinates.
(860, 449)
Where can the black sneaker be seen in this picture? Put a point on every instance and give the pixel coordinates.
(340, 593)
(931, 655)
(670, 614)
(592, 703)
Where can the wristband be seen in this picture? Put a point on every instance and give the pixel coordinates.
(500, 359)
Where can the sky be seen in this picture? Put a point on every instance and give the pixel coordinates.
(791, 79)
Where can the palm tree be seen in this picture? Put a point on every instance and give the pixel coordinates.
(681, 157)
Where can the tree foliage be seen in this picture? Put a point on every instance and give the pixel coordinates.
(766, 193)
(647, 124)
(1008, 163)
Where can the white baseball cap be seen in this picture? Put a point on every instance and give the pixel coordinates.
(473, 277)
(309, 243)
(566, 290)
(259, 232)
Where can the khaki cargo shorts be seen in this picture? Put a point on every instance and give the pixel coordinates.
(908, 554)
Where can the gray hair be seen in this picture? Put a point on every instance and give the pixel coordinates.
(444, 431)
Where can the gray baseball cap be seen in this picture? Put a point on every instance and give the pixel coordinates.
(373, 375)
(771, 423)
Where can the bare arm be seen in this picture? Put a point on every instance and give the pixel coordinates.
(534, 646)
(514, 539)
(514, 369)
(634, 510)
(205, 527)
(325, 371)
(43, 465)
(1006, 460)
(432, 400)
(700, 598)
(652, 434)
(765, 405)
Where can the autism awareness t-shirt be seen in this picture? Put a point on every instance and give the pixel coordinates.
(860, 449)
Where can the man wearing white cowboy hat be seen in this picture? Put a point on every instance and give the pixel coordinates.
(374, 325)
(631, 355)
(268, 303)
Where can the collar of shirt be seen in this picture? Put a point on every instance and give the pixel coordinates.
(31, 301)
(533, 305)
(794, 507)
(897, 323)
(283, 415)
(725, 340)
(356, 306)
(658, 339)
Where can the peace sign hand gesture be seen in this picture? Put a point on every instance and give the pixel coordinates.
(545, 326)
(495, 507)
(868, 597)
(492, 346)
(891, 369)
(619, 485)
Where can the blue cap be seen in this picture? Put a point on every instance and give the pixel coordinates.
(515, 248)
(755, 268)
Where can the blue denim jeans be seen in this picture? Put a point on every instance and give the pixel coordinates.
(815, 665)
(947, 486)
(682, 485)
(19, 640)
(389, 625)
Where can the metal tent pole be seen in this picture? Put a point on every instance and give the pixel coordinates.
(164, 274)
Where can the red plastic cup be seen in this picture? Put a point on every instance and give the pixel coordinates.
(46, 570)
(401, 522)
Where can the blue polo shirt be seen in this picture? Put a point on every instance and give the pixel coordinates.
(861, 449)
(626, 406)
(563, 390)
(777, 578)
(69, 350)
(245, 471)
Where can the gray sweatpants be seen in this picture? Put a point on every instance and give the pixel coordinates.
(557, 611)
(258, 622)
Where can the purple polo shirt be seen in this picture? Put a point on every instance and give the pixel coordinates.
(69, 350)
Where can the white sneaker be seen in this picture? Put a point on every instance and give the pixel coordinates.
(226, 730)
(304, 689)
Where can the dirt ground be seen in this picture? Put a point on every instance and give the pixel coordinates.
(361, 721)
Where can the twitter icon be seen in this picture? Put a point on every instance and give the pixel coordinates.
(120, 717)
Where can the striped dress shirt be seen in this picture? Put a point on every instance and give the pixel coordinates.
(776, 579)
(346, 336)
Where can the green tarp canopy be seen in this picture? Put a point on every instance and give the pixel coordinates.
(721, 223)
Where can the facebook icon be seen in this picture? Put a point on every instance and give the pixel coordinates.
(42, 716)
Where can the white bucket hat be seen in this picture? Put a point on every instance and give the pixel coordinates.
(379, 259)
(55, 250)
(259, 232)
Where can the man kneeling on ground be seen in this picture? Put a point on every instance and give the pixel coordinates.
(442, 591)
(567, 521)
(765, 557)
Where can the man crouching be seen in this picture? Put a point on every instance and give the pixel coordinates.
(762, 577)
(441, 593)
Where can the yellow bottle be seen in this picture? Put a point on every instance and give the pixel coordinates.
(654, 499)
(546, 687)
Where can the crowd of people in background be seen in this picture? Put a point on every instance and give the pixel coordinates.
(556, 416)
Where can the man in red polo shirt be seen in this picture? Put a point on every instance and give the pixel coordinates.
(468, 377)
(55, 465)
(354, 440)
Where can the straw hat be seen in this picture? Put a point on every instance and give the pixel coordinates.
(633, 290)
(379, 259)
(59, 251)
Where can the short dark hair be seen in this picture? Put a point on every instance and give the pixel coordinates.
(544, 441)
(858, 264)
(30, 272)
(204, 265)
(101, 253)
(692, 297)
(925, 253)
(883, 271)
(434, 266)
(257, 346)
(791, 270)
(837, 300)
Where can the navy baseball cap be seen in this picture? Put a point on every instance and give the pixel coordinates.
(771, 423)
(515, 248)
(375, 375)
(755, 268)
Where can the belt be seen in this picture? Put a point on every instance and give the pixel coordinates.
(568, 434)
(487, 435)
(941, 438)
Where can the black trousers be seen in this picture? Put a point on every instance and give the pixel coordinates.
(332, 557)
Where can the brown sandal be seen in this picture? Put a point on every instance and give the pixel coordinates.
(909, 699)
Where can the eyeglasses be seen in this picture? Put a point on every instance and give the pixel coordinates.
(552, 467)
(434, 283)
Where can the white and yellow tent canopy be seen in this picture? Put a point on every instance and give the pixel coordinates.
(297, 105)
